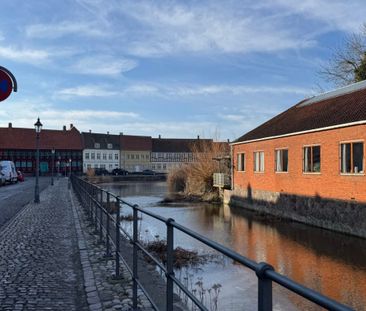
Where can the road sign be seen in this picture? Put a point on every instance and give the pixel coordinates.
(6, 85)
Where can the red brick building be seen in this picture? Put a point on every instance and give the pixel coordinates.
(315, 148)
(19, 146)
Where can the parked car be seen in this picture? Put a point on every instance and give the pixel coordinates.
(2, 179)
(7, 168)
(148, 172)
(100, 171)
(119, 171)
(20, 176)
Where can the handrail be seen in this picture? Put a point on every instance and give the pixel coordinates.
(88, 196)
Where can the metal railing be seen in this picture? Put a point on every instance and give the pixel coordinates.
(92, 198)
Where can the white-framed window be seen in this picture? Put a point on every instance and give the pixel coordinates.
(281, 160)
(104, 156)
(86, 155)
(110, 156)
(258, 157)
(241, 162)
(110, 165)
(116, 156)
(96, 145)
(98, 156)
(92, 155)
(109, 146)
(311, 159)
(102, 166)
(352, 157)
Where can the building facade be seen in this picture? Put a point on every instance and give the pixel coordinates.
(100, 151)
(19, 145)
(135, 152)
(314, 149)
(168, 153)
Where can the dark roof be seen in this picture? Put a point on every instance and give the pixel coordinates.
(23, 138)
(338, 107)
(176, 144)
(89, 139)
(136, 143)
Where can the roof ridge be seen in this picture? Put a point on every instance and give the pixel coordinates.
(357, 86)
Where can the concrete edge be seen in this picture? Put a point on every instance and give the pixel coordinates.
(90, 287)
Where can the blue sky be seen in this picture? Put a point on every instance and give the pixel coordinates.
(175, 68)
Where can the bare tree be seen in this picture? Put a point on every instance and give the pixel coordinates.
(348, 63)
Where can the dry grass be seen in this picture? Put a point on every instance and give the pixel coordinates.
(196, 178)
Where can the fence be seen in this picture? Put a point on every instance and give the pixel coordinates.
(98, 204)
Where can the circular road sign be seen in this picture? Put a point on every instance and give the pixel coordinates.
(6, 85)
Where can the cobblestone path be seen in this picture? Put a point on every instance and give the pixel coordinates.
(39, 257)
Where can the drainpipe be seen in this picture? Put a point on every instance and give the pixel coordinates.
(232, 167)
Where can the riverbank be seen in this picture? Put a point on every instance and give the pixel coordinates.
(336, 215)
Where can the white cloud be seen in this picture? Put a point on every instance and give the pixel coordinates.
(86, 91)
(64, 28)
(32, 56)
(103, 65)
(337, 14)
(236, 90)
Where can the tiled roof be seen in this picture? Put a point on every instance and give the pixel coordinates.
(135, 143)
(338, 107)
(89, 140)
(23, 138)
(175, 144)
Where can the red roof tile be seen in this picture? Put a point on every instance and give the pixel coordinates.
(135, 143)
(23, 138)
(344, 107)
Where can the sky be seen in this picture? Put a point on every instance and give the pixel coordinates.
(175, 68)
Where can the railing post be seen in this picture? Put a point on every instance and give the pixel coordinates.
(264, 287)
(107, 244)
(169, 263)
(117, 238)
(95, 201)
(101, 217)
(134, 258)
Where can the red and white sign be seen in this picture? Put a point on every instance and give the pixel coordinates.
(6, 85)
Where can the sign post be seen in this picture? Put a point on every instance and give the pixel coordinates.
(8, 83)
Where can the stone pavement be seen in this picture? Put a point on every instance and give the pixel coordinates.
(40, 265)
(51, 260)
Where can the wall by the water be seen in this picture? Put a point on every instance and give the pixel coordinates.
(342, 216)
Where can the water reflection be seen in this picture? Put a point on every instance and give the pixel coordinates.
(331, 263)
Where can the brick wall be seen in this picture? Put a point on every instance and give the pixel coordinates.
(329, 183)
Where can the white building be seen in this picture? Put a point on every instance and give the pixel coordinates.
(100, 151)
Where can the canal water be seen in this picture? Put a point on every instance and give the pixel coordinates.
(331, 263)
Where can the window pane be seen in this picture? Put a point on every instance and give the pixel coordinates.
(346, 158)
(243, 162)
(358, 158)
(278, 161)
(316, 159)
(307, 159)
(261, 161)
(284, 160)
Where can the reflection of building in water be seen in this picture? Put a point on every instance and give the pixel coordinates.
(312, 267)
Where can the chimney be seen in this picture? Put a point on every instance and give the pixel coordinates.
(198, 136)
(107, 133)
(159, 136)
(89, 131)
(10, 125)
(228, 140)
(71, 126)
(64, 128)
(121, 133)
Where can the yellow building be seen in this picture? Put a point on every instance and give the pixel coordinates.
(135, 152)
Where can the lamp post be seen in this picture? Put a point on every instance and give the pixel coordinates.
(58, 167)
(53, 164)
(69, 184)
(38, 128)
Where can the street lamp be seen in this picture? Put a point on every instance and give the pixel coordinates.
(38, 128)
(58, 166)
(69, 184)
(53, 164)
